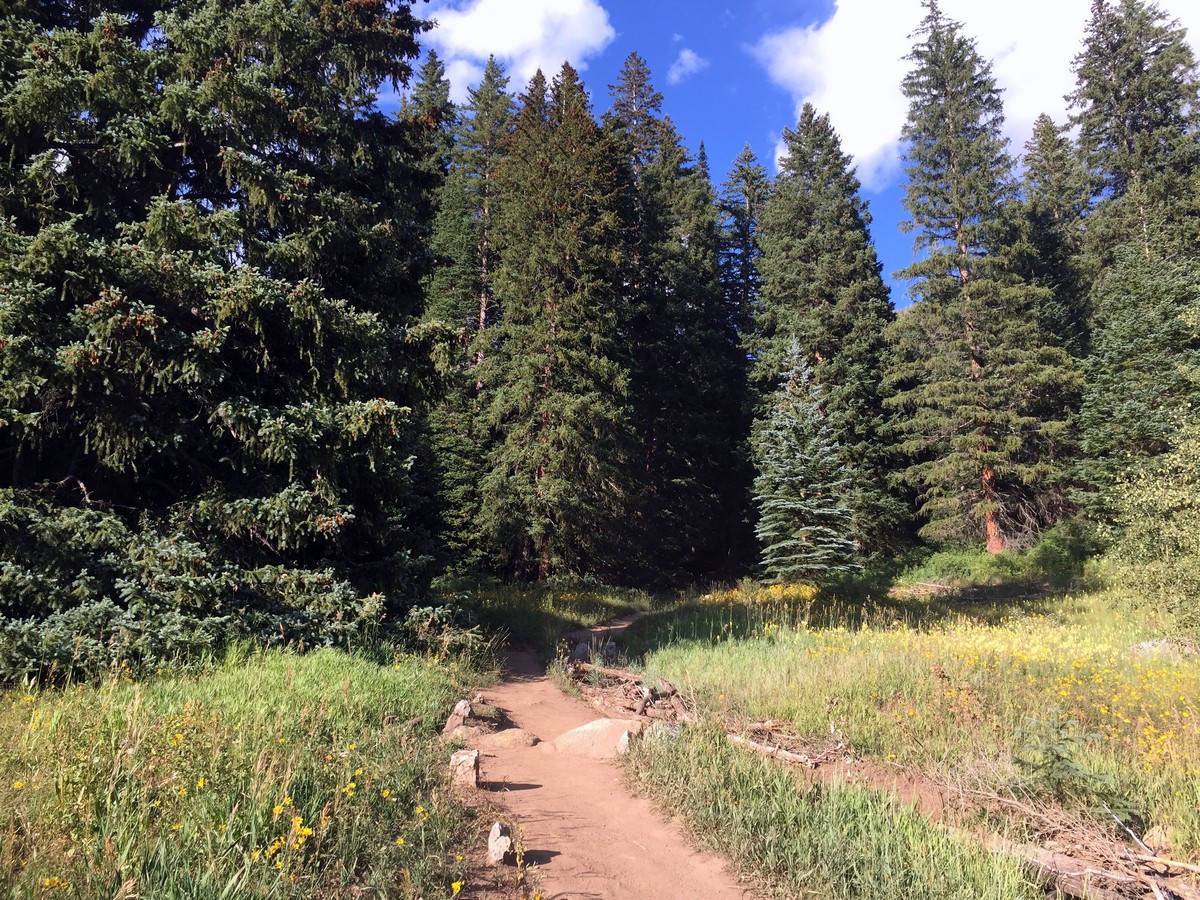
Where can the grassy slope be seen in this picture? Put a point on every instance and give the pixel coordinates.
(277, 775)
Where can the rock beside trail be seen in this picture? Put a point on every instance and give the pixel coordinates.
(458, 718)
(508, 739)
(598, 739)
(464, 769)
(500, 845)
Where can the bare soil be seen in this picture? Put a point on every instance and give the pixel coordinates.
(583, 834)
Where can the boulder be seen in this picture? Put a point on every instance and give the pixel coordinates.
(509, 738)
(458, 718)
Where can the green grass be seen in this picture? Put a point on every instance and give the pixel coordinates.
(1052, 683)
(821, 842)
(275, 775)
(539, 615)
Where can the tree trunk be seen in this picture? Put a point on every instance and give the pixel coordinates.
(991, 521)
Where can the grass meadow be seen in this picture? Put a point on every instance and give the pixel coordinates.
(1062, 699)
(274, 774)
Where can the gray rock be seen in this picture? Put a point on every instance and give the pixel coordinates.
(661, 731)
(500, 845)
(464, 769)
(582, 652)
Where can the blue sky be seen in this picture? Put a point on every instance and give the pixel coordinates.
(736, 73)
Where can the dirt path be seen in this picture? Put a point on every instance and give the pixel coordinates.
(583, 830)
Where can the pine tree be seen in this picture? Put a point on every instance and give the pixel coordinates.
(1137, 108)
(209, 269)
(804, 526)
(680, 336)
(822, 291)
(1054, 200)
(743, 196)
(1141, 384)
(462, 299)
(555, 492)
(983, 399)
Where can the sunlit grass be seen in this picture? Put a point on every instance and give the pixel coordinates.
(952, 694)
(279, 774)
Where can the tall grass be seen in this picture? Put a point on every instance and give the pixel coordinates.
(276, 774)
(821, 842)
(1062, 690)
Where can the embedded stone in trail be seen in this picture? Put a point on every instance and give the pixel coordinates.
(459, 717)
(509, 738)
(598, 739)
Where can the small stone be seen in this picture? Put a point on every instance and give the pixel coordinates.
(500, 845)
(582, 652)
(458, 718)
(623, 742)
(464, 768)
(610, 653)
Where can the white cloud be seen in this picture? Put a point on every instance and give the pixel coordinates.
(525, 37)
(687, 63)
(851, 65)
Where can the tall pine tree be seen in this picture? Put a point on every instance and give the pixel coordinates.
(983, 398)
(822, 291)
(462, 300)
(556, 490)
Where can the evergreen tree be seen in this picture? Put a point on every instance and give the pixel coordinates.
(209, 270)
(822, 290)
(1141, 384)
(804, 526)
(462, 299)
(983, 398)
(1054, 200)
(555, 492)
(681, 336)
(743, 196)
(1137, 108)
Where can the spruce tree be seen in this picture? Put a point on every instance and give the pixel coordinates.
(209, 266)
(742, 198)
(983, 399)
(804, 526)
(823, 291)
(1054, 199)
(680, 336)
(461, 299)
(555, 493)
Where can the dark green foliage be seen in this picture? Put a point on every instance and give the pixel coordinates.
(1141, 380)
(461, 300)
(983, 398)
(1138, 112)
(208, 267)
(685, 363)
(555, 492)
(1054, 199)
(801, 485)
(741, 203)
(823, 291)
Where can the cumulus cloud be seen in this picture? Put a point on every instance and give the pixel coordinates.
(851, 65)
(525, 37)
(687, 63)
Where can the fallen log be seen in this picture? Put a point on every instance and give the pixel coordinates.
(776, 752)
(617, 674)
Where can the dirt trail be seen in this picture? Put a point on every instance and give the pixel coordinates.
(587, 835)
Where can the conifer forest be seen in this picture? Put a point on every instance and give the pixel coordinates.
(274, 361)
